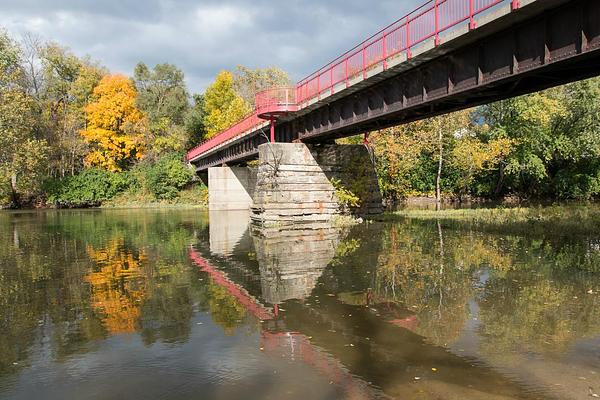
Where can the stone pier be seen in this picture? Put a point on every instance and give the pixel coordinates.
(301, 183)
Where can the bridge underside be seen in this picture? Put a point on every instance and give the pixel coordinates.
(554, 42)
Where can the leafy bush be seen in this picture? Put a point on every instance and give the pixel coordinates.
(88, 188)
(167, 176)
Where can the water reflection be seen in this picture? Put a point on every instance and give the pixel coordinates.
(415, 309)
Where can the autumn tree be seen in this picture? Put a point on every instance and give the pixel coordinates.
(61, 85)
(113, 130)
(223, 106)
(22, 154)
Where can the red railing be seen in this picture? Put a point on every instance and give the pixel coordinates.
(275, 101)
(251, 122)
(426, 22)
(398, 39)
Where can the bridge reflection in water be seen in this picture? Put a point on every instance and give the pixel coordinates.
(333, 321)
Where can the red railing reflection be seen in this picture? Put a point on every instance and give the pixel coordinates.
(247, 301)
(396, 41)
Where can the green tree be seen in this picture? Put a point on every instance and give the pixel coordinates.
(194, 121)
(22, 155)
(161, 92)
(163, 98)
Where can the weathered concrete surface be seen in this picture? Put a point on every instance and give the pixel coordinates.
(230, 188)
(296, 182)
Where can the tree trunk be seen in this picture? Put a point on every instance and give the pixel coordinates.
(14, 197)
(500, 182)
(438, 179)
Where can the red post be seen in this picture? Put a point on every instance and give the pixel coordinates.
(437, 22)
(385, 64)
(515, 4)
(272, 129)
(331, 79)
(319, 85)
(364, 57)
(408, 52)
(347, 81)
(471, 19)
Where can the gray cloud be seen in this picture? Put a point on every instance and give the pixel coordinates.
(203, 37)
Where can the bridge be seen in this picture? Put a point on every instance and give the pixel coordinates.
(444, 56)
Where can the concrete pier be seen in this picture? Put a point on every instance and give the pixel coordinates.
(230, 188)
(301, 183)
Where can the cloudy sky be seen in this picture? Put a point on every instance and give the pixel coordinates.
(203, 36)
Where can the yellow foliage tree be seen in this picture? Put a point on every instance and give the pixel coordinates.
(113, 124)
(223, 106)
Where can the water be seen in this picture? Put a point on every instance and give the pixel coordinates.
(164, 305)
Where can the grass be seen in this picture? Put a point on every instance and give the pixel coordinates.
(194, 197)
(567, 218)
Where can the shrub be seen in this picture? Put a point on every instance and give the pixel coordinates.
(88, 188)
(167, 176)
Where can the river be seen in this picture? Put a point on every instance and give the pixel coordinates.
(183, 304)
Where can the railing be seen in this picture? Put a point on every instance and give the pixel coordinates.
(248, 123)
(274, 101)
(426, 22)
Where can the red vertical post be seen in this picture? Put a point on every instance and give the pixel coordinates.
(319, 85)
(364, 59)
(408, 52)
(331, 79)
(272, 129)
(385, 64)
(471, 19)
(347, 80)
(437, 22)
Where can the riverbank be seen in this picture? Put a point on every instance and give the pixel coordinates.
(573, 218)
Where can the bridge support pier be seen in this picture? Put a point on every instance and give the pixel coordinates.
(230, 188)
(301, 183)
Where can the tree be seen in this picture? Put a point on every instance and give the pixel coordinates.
(22, 155)
(161, 92)
(61, 85)
(471, 156)
(446, 128)
(194, 121)
(113, 131)
(398, 150)
(223, 106)
(247, 82)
